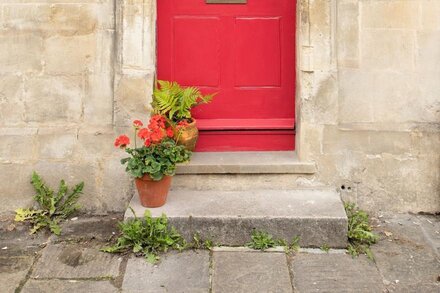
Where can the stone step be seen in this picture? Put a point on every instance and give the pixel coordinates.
(227, 217)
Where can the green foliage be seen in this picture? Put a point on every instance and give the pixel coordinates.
(360, 236)
(325, 248)
(147, 237)
(175, 102)
(294, 245)
(199, 243)
(52, 207)
(262, 240)
(156, 160)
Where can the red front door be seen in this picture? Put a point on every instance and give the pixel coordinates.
(246, 53)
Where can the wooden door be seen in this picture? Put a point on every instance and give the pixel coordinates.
(246, 53)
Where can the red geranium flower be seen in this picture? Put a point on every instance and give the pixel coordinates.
(157, 121)
(170, 132)
(147, 142)
(122, 141)
(157, 135)
(144, 133)
(137, 124)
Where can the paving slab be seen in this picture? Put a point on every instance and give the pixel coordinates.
(431, 229)
(250, 272)
(228, 217)
(406, 257)
(334, 273)
(71, 261)
(13, 271)
(89, 228)
(187, 271)
(68, 286)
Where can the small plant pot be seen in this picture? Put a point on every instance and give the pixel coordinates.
(188, 136)
(153, 194)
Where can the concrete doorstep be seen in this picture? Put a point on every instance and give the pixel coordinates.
(229, 217)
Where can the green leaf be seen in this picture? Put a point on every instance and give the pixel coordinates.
(55, 228)
(54, 207)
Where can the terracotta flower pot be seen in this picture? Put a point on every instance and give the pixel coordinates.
(188, 135)
(153, 194)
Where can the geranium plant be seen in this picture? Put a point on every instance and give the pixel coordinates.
(158, 154)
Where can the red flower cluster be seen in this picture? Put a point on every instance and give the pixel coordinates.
(122, 141)
(137, 124)
(156, 131)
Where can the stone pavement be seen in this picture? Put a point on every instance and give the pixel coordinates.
(406, 260)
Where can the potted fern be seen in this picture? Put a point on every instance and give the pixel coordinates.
(175, 103)
(154, 162)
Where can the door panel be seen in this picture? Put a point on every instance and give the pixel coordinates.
(246, 53)
(257, 52)
(195, 62)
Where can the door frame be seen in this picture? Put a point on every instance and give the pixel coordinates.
(135, 62)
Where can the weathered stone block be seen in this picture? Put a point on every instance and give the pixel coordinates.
(56, 144)
(117, 185)
(54, 99)
(13, 271)
(15, 190)
(72, 54)
(348, 34)
(367, 142)
(98, 100)
(17, 145)
(335, 273)
(35, 286)
(75, 262)
(250, 272)
(104, 61)
(428, 49)
(355, 91)
(406, 260)
(20, 52)
(396, 47)
(228, 218)
(390, 14)
(95, 143)
(429, 14)
(68, 19)
(384, 97)
(132, 98)
(177, 272)
(11, 100)
(138, 52)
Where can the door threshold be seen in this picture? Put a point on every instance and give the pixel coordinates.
(283, 162)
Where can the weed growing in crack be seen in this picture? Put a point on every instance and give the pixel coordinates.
(262, 240)
(148, 237)
(199, 243)
(325, 248)
(360, 235)
(53, 208)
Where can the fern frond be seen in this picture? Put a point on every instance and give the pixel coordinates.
(175, 102)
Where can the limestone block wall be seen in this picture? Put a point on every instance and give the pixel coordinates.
(370, 107)
(74, 73)
(57, 68)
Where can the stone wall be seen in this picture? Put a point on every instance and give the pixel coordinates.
(57, 68)
(370, 103)
(74, 73)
